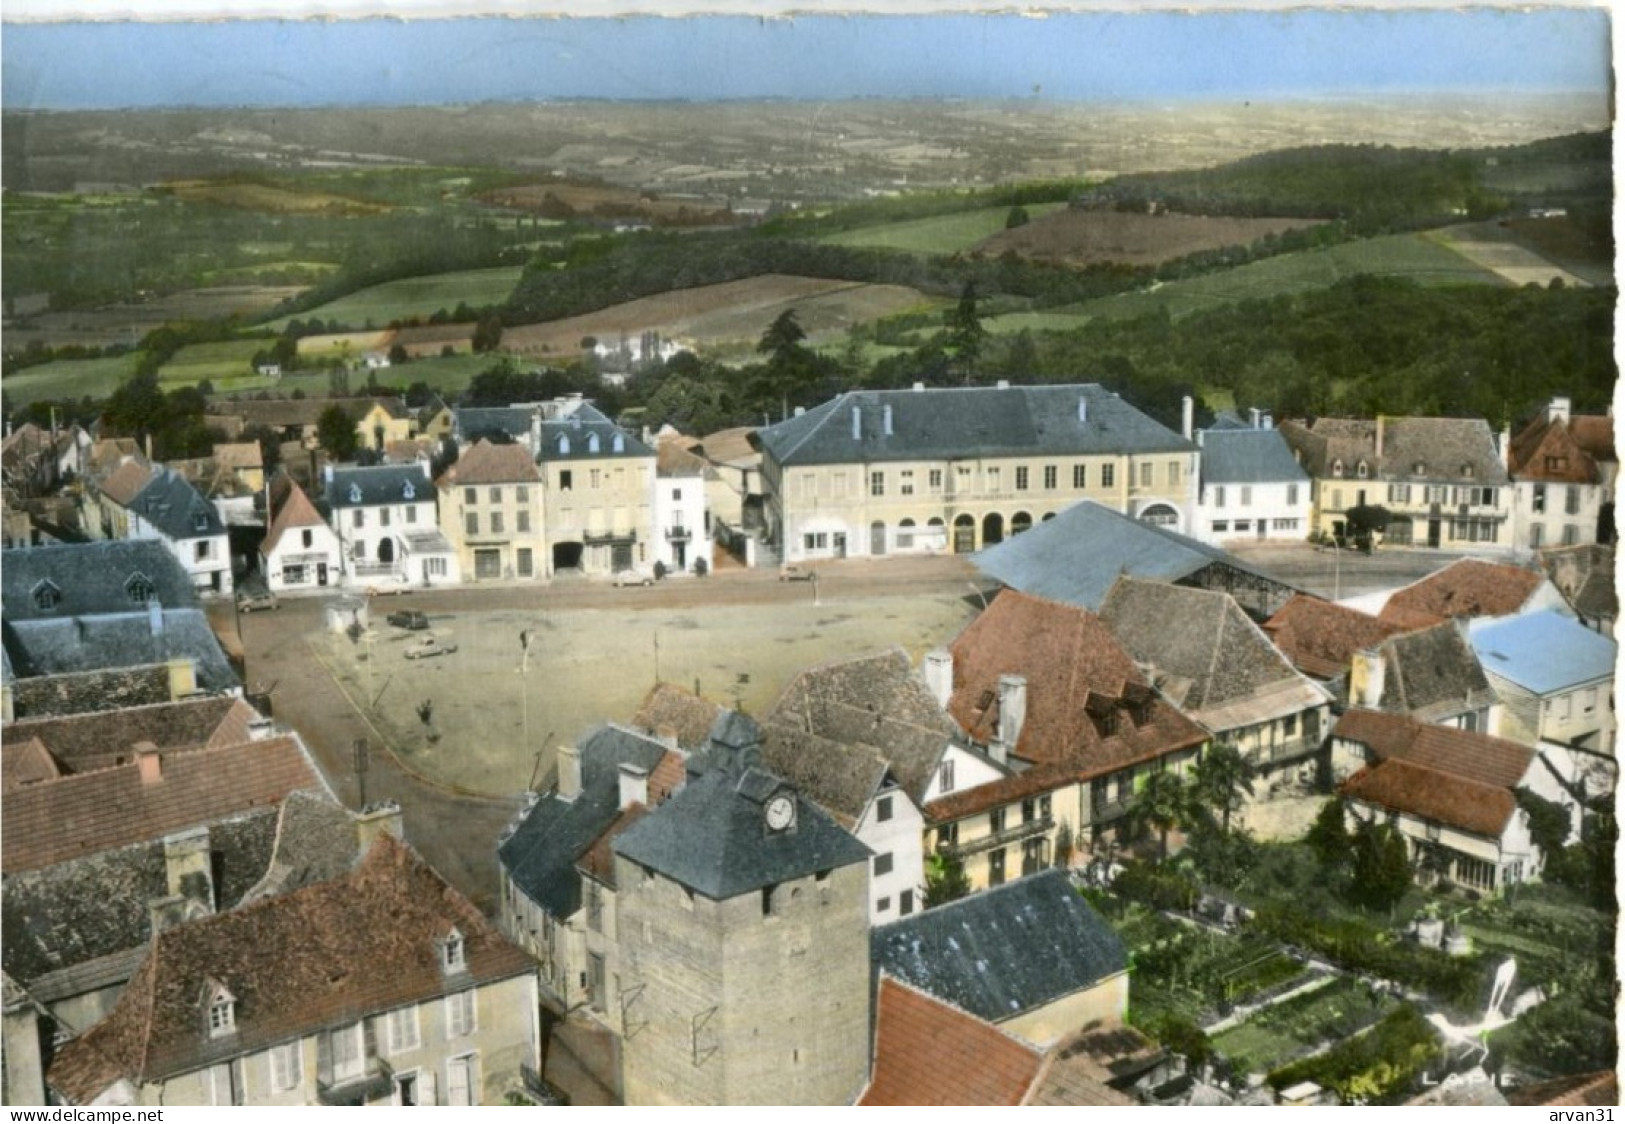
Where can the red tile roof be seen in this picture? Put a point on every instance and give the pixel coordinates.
(1582, 1089)
(930, 1053)
(668, 708)
(1465, 588)
(1399, 786)
(1595, 434)
(320, 957)
(125, 482)
(26, 763)
(294, 509)
(88, 813)
(1461, 753)
(1546, 449)
(1320, 638)
(485, 463)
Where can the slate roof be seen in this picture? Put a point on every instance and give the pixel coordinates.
(471, 421)
(1069, 657)
(175, 508)
(876, 703)
(82, 814)
(541, 853)
(668, 707)
(710, 836)
(1467, 587)
(1399, 786)
(568, 437)
(928, 1052)
(1441, 446)
(1248, 456)
(946, 423)
(293, 509)
(1543, 652)
(96, 643)
(1445, 749)
(322, 956)
(1320, 637)
(79, 743)
(377, 485)
(1210, 659)
(1585, 576)
(1076, 556)
(1433, 673)
(91, 578)
(1002, 952)
(485, 463)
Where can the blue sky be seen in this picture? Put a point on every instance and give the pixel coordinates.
(1076, 56)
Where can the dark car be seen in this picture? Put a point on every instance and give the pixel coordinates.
(409, 619)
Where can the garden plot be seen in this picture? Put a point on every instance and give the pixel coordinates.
(1302, 1024)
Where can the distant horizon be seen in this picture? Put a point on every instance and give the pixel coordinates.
(1321, 55)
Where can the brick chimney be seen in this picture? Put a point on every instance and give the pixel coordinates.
(634, 785)
(569, 772)
(149, 763)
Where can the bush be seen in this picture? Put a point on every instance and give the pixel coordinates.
(1182, 1036)
(1156, 887)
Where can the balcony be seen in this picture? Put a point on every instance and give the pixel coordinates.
(679, 534)
(593, 538)
(375, 569)
(1018, 833)
(375, 1082)
(1283, 751)
(1103, 809)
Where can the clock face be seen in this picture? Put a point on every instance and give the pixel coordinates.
(781, 813)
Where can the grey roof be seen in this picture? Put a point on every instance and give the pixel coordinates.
(571, 438)
(1440, 447)
(470, 421)
(175, 508)
(1248, 456)
(1543, 652)
(1002, 952)
(876, 704)
(1075, 557)
(711, 836)
(1433, 673)
(967, 422)
(1207, 653)
(540, 856)
(94, 643)
(91, 577)
(376, 485)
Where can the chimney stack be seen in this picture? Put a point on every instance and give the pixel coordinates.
(919, 388)
(885, 419)
(569, 772)
(1083, 408)
(1506, 447)
(1187, 419)
(634, 785)
(939, 674)
(1255, 414)
(1004, 384)
(1559, 409)
(1012, 709)
(188, 869)
(1269, 421)
(149, 763)
(857, 423)
(155, 616)
(375, 821)
(1379, 436)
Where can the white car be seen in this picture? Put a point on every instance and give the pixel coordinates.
(632, 577)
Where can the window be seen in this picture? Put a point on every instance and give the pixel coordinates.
(306, 539)
(1021, 478)
(496, 495)
(1218, 495)
(933, 480)
(453, 952)
(1291, 494)
(435, 567)
(945, 776)
(595, 478)
(1571, 534)
(1051, 475)
(815, 541)
(347, 1051)
(358, 550)
(1289, 726)
(994, 478)
(461, 1080)
(523, 521)
(883, 864)
(222, 1015)
(905, 903)
(287, 1067)
(383, 517)
(411, 513)
(401, 1030)
(1221, 526)
(522, 493)
(1362, 470)
(995, 867)
(877, 483)
(883, 809)
(358, 519)
(1029, 810)
(1108, 475)
(226, 1083)
(1399, 493)
(139, 588)
(471, 495)
(1173, 474)
(1537, 533)
(496, 522)
(907, 486)
(1590, 701)
(592, 442)
(1246, 495)
(565, 476)
(595, 906)
(527, 565)
(1080, 476)
(617, 443)
(471, 523)
(947, 835)
(883, 905)
(460, 1014)
(1436, 493)
(1571, 500)
(1553, 464)
(962, 475)
(995, 820)
(1337, 468)
(1145, 475)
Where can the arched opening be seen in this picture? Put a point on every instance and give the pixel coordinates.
(1020, 521)
(566, 556)
(877, 537)
(1160, 515)
(964, 534)
(905, 535)
(936, 533)
(992, 529)
(386, 551)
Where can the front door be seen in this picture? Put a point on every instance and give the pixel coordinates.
(460, 1081)
(1433, 533)
(487, 564)
(877, 538)
(1262, 524)
(621, 556)
(321, 573)
(964, 535)
(840, 544)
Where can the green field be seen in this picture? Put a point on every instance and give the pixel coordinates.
(416, 296)
(448, 375)
(944, 234)
(229, 363)
(68, 378)
(1291, 1028)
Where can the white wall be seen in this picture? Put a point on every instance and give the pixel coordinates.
(901, 836)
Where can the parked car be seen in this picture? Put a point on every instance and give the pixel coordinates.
(385, 590)
(428, 647)
(252, 602)
(632, 577)
(793, 573)
(409, 619)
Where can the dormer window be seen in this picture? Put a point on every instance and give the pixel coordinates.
(1362, 470)
(592, 442)
(453, 952)
(47, 595)
(1337, 468)
(222, 1005)
(564, 444)
(139, 588)
(200, 521)
(1419, 469)
(408, 492)
(618, 443)
(355, 493)
(1467, 471)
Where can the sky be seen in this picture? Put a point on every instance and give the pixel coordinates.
(1079, 56)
